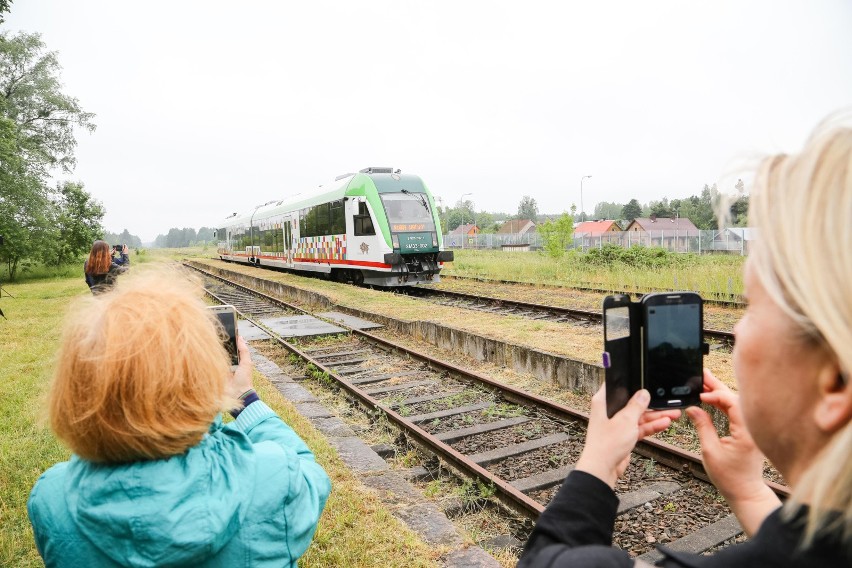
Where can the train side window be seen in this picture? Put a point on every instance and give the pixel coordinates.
(363, 224)
(310, 222)
(322, 219)
(338, 218)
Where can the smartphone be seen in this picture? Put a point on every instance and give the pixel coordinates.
(672, 352)
(227, 316)
(656, 344)
(621, 351)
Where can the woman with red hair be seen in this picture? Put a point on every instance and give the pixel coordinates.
(100, 269)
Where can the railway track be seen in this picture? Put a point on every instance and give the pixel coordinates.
(519, 445)
(534, 311)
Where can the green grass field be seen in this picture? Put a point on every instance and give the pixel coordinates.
(355, 530)
(710, 275)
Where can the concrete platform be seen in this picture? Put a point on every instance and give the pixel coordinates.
(301, 326)
(350, 321)
(394, 489)
(251, 332)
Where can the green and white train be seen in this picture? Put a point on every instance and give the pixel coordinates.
(377, 227)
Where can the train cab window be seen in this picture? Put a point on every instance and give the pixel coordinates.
(363, 224)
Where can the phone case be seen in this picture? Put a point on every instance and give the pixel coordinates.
(621, 357)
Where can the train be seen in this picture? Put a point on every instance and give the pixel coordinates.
(376, 227)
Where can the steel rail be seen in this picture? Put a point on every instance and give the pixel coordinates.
(718, 335)
(735, 302)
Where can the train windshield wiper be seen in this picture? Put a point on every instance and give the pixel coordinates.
(419, 196)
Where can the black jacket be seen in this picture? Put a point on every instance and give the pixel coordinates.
(99, 283)
(576, 530)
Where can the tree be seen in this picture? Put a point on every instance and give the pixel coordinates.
(44, 116)
(23, 218)
(4, 7)
(485, 222)
(528, 209)
(556, 235)
(37, 124)
(205, 235)
(606, 210)
(739, 212)
(661, 208)
(631, 210)
(75, 222)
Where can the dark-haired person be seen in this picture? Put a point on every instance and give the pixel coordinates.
(793, 362)
(100, 268)
(156, 478)
(123, 258)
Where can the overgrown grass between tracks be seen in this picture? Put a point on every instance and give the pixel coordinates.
(355, 529)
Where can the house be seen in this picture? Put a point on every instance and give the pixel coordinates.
(469, 230)
(516, 227)
(463, 236)
(734, 239)
(595, 233)
(669, 233)
(596, 228)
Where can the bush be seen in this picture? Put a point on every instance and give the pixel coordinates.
(638, 256)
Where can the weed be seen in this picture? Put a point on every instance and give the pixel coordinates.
(409, 459)
(503, 410)
(434, 488)
(473, 490)
(650, 469)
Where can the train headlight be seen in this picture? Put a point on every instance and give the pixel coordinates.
(395, 241)
(434, 239)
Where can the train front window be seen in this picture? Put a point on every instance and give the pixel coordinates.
(408, 212)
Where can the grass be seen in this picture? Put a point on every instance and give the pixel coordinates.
(355, 528)
(710, 275)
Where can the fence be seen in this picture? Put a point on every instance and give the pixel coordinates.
(730, 241)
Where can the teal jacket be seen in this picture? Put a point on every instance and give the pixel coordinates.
(249, 494)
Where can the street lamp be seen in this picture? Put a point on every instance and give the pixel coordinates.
(582, 210)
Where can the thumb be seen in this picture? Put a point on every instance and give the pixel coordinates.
(637, 404)
(707, 434)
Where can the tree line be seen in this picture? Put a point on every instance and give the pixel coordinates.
(704, 210)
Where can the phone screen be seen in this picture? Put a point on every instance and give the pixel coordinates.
(673, 365)
(228, 319)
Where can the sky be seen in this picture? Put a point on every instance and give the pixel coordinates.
(205, 108)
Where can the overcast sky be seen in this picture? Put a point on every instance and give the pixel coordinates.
(204, 108)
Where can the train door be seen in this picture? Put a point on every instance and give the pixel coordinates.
(289, 241)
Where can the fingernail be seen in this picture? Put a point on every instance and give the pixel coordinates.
(644, 396)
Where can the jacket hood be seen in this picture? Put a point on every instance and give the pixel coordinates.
(165, 512)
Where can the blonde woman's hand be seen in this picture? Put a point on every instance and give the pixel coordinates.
(241, 380)
(734, 462)
(609, 441)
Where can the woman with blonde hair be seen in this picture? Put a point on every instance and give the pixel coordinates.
(156, 478)
(792, 360)
(100, 268)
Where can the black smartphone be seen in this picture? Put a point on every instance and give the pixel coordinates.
(227, 316)
(672, 348)
(620, 359)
